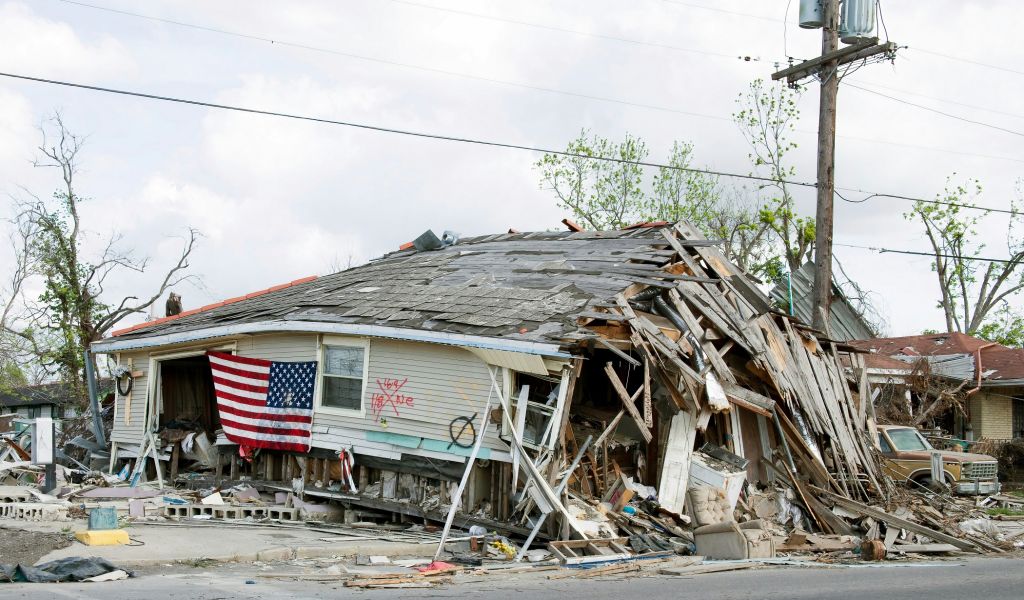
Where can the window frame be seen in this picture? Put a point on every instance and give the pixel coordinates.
(321, 354)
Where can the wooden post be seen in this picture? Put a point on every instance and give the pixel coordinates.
(175, 455)
(829, 76)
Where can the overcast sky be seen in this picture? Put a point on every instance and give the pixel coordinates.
(277, 199)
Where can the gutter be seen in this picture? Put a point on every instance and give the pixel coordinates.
(977, 368)
(111, 345)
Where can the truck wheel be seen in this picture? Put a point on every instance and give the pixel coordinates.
(926, 481)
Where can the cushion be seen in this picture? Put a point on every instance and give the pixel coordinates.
(710, 506)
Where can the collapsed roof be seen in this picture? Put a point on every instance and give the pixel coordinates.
(954, 355)
(530, 286)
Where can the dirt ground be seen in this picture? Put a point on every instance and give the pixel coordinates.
(26, 547)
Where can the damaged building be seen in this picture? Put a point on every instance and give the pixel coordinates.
(554, 370)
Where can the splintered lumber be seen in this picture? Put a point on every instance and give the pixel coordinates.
(627, 401)
(614, 569)
(880, 515)
(925, 548)
(617, 352)
(707, 568)
(400, 581)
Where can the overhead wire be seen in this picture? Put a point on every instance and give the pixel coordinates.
(881, 250)
(394, 63)
(470, 76)
(943, 100)
(394, 130)
(615, 38)
(913, 48)
(466, 140)
(935, 110)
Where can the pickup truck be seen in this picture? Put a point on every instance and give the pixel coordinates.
(907, 457)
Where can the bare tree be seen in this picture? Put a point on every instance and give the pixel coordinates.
(71, 312)
(970, 288)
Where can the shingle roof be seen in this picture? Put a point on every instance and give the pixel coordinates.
(998, 363)
(930, 344)
(532, 286)
(46, 393)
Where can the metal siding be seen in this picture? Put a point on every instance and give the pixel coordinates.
(132, 433)
(287, 347)
(444, 383)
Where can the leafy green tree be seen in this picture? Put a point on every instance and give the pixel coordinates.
(970, 290)
(611, 195)
(766, 117)
(1005, 327)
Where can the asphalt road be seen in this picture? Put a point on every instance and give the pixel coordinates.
(977, 579)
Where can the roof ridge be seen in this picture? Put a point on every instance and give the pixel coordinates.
(186, 313)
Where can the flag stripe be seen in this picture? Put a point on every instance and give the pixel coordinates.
(242, 375)
(264, 404)
(259, 419)
(298, 433)
(237, 385)
(241, 360)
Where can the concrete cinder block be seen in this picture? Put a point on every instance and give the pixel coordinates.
(14, 493)
(33, 511)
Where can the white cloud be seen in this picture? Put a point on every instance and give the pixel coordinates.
(43, 47)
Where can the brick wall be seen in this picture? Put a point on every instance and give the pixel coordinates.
(991, 416)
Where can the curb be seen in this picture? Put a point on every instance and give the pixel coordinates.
(290, 553)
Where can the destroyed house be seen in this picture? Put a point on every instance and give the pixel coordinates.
(641, 359)
(970, 387)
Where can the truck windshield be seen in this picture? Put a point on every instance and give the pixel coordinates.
(908, 440)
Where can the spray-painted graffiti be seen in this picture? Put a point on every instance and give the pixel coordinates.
(389, 395)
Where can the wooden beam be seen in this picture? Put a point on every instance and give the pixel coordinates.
(627, 401)
(842, 56)
(880, 515)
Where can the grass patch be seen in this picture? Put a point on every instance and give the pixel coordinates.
(1009, 512)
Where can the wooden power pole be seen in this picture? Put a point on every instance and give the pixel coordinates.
(826, 67)
(829, 76)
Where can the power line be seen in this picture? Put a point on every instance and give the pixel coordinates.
(1007, 211)
(724, 11)
(936, 111)
(914, 48)
(929, 254)
(486, 79)
(393, 63)
(420, 134)
(478, 142)
(601, 36)
(944, 100)
(968, 61)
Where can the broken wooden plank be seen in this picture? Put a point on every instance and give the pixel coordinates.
(893, 520)
(618, 352)
(707, 568)
(925, 548)
(613, 569)
(627, 401)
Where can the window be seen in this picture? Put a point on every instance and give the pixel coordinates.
(343, 370)
(908, 440)
(884, 444)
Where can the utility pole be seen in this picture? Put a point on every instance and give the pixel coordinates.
(826, 67)
(829, 76)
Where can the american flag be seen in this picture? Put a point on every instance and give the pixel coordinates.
(264, 404)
